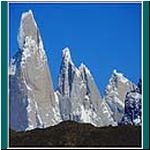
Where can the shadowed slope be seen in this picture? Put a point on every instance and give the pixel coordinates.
(72, 134)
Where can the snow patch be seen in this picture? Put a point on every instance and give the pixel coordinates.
(83, 68)
(86, 115)
(12, 67)
(137, 121)
(27, 86)
(39, 119)
(86, 97)
(120, 76)
(66, 54)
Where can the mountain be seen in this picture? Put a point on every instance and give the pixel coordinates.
(73, 134)
(133, 107)
(32, 100)
(78, 95)
(33, 103)
(115, 94)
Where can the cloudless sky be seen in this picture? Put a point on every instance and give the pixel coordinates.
(102, 36)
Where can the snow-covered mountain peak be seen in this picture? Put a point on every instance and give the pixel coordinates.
(29, 39)
(32, 100)
(28, 27)
(79, 98)
(116, 73)
(82, 66)
(27, 14)
(117, 76)
(84, 70)
(115, 93)
(66, 55)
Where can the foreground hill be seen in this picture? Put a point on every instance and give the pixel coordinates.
(72, 134)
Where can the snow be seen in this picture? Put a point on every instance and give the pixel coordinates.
(83, 68)
(29, 109)
(30, 127)
(47, 115)
(41, 50)
(56, 97)
(114, 93)
(77, 72)
(32, 111)
(105, 110)
(30, 48)
(27, 86)
(123, 79)
(87, 105)
(66, 54)
(118, 101)
(56, 117)
(117, 73)
(86, 97)
(137, 121)
(25, 15)
(120, 76)
(12, 70)
(12, 67)
(85, 115)
(137, 96)
(20, 37)
(39, 119)
(21, 34)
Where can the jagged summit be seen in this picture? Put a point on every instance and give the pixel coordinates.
(78, 95)
(27, 14)
(66, 53)
(32, 100)
(116, 73)
(84, 69)
(119, 76)
(28, 28)
(67, 59)
(115, 93)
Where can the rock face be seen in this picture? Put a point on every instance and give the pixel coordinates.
(133, 107)
(78, 95)
(115, 94)
(32, 100)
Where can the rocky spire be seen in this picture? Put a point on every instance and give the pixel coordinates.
(67, 73)
(28, 27)
(32, 100)
(78, 95)
(115, 93)
(66, 55)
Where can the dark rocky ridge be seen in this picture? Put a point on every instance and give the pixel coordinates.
(73, 134)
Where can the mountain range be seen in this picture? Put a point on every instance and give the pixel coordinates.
(33, 102)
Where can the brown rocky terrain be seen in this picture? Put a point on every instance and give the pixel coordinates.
(73, 134)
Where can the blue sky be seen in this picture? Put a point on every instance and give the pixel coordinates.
(102, 36)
